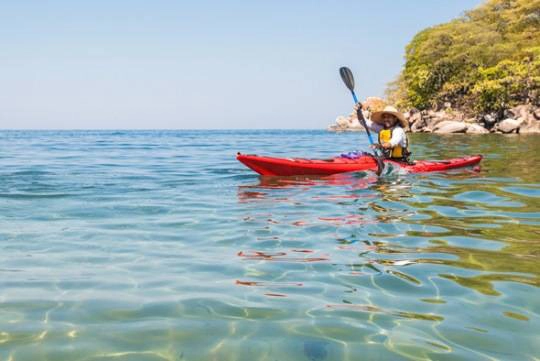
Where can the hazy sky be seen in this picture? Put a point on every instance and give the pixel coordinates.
(105, 64)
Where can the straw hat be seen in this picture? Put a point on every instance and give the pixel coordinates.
(377, 116)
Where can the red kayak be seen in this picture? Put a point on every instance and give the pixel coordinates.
(271, 166)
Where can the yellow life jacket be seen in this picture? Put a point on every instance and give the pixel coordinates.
(396, 152)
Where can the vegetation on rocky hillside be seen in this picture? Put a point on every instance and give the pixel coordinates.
(484, 62)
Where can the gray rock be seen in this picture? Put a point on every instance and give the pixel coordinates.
(450, 126)
(432, 122)
(529, 124)
(530, 129)
(489, 120)
(509, 113)
(346, 123)
(440, 115)
(419, 123)
(457, 116)
(414, 118)
(520, 111)
(476, 129)
(509, 125)
(536, 114)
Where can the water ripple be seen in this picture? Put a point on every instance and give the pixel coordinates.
(158, 245)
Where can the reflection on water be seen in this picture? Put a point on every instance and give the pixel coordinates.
(419, 248)
(160, 246)
(280, 256)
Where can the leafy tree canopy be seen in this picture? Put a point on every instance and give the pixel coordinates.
(485, 61)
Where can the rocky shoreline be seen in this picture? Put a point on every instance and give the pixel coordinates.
(521, 119)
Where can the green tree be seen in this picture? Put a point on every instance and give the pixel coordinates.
(485, 61)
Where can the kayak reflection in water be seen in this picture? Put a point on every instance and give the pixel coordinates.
(270, 187)
(390, 124)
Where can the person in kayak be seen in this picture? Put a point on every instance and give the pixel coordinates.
(390, 125)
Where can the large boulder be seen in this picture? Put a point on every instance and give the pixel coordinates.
(374, 104)
(413, 117)
(354, 124)
(520, 111)
(531, 123)
(419, 122)
(536, 114)
(342, 121)
(534, 129)
(341, 124)
(438, 116)
(489, 120)
(434, 118)
(346, 123)
(450, 126)
(509, 125)
(476, 129)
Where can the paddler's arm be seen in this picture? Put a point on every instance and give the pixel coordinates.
(374, 127)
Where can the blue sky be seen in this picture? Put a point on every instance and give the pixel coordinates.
(200, 64)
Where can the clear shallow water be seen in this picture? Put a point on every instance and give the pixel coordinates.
(149, 245)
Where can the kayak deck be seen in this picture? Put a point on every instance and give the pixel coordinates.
(272, 166)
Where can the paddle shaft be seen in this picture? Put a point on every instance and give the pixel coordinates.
(361, 119)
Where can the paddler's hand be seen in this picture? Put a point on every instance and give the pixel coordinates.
(358, 110)
(357, 107)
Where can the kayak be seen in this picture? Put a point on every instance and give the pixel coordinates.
(271, 166)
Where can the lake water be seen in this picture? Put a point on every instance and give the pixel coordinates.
(159, 245)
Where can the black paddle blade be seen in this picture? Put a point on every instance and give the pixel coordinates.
(348, 79)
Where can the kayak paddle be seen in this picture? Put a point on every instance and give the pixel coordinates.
(348, 79)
